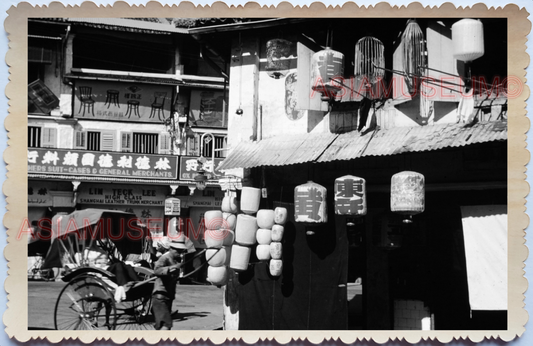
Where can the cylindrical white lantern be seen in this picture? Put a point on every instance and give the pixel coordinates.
(262, 252)
(215, 238)
(245, 229)
(277, 233)
(310, 203)
(230, 204)
(276, 250)
(213, 219)
(218, 276)
(250, 199)
(280, 215)
(240, 257)
(216, 257)
(350, 196)
(263, 236)
(467, 39)
(276, 267)
(407, 193)
(265, 218)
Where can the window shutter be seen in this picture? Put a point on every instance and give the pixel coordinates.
(126, 142)
(80, 140)
(164, 146)
(304, 82)
(107, 141)
(193, 147)
(49, 137)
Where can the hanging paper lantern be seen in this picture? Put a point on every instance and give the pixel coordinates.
(326, 65)
(369, 59)
(310, 203)
(263, 252)
(215, 238)
(213, 219)
(350, 196)
(467, 39)
(265, 218)
(276, 267)
(229, 220)
(218, 276)
(414, 54)
(276, 250)
(407, 193)
(277, 53)
(277, 232)
(246, 229)
(240, 257)
(215, 257)
(263, 236)
(280, 215)
(250, 199)
(230, 205)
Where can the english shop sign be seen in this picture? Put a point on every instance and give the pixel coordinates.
(94, 163)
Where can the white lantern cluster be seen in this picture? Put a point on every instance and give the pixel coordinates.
(219, 237)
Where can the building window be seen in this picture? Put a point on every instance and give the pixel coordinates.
(145, 143)
(94, 140)
(220, 142)
(34, 137)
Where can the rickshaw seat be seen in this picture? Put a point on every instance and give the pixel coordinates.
(85, 270)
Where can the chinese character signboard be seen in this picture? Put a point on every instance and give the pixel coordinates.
(189, 167)
(95, 163)
(122, 101)
(116, 194)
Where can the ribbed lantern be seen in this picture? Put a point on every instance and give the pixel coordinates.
(325, 66)
(467, 39)
(369, 59)
(277, 52)
(407, 193)
(310, 203)
(414, 53)
(350, 196)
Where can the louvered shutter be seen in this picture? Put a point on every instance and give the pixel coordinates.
(80, 140)
(49, 139)
(126, 142)
(164, 143)
(107, 141)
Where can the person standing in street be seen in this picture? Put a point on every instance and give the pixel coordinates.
(167, 270)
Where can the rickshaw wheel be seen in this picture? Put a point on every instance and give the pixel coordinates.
(135, 315)
(85, 303)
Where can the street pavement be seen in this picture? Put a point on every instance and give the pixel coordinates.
(199, 307)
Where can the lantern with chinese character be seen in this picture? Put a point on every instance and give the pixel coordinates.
(310, 203)
(350, 196)
(326, 65)
(467, 39)
(277, 53)
(407, 193)
(369, 60)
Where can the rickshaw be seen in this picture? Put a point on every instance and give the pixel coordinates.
(106, 254)
(95, 248)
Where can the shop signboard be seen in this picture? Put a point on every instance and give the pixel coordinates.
(189, 167)
(124, 101)
(172, 206)
(121, 194)
(208, 198)
(97, 163)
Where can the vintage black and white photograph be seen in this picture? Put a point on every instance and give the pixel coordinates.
(268, 173)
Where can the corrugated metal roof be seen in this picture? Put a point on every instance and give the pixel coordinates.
(326, 147)
(132, 25)
(279, 151)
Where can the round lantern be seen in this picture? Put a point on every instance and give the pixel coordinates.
(277, 53)
(276, 250)
(414, 53)
(228, 238)
(277, 233)
(280, 215)
(250, 199)
(216, 257)
(326, 65)
(263, 236)
(215, 238)
(262, 252)
(213, 219)
(218, 276)
(350, 196)
(230, 204)
(310, 203)
(245, 229)
(229, 220)
(369, 59)
(240, 256)
(467, 39)
(265, 218)
(407, 193)
(276, 267)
